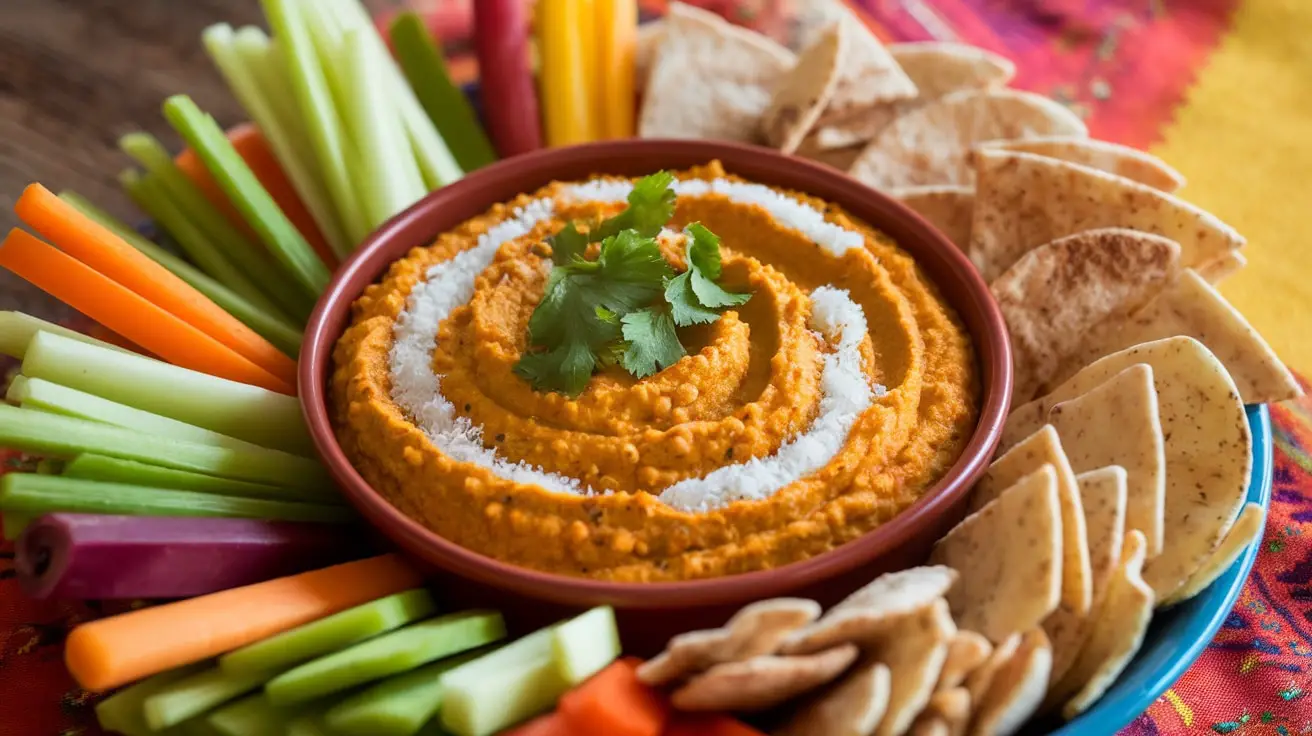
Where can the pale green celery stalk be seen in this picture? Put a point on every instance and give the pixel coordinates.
(385, 164)
(14, 522)
(196, 694)
(259, 416)
(280, 237)
(107, 469)
(322, 122)
(254, 715)
(122, 713)
(17, 330)
(254, 71)
(216, 226)
(43, 433)
(37, 393)
(397, 706)
(275, 329)
(154, 198)
(30, 493)
(435, 161)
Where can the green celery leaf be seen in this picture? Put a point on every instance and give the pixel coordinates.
(652, 342)
(651, 205)
(684, 306)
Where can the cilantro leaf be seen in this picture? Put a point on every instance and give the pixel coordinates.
(651, 205)
(568, 245)
(652, 342)
(630, 272)
(684, 306)
(703, 248)
(566, 368)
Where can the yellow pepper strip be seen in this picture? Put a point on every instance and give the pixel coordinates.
(617, 21)
(565, 101)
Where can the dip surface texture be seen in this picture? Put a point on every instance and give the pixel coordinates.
(784, 433)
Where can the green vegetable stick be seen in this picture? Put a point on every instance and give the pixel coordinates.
(447, 106)
(389, 654)
(584, 645)
(51, 434)
(312, 725)
(122, 712)
(150, 194)
(113, 470)
(254, 715)
(512, 684)
(35, 494)
(259, 416)
(330, 634)
(399, 706)
(288, 247)
(263, 318)
(253, 69)
(38, 393)
(196, 694)
(322, 122)
(18, 329)
(14, 522)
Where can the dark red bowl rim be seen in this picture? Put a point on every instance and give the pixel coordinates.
(501, 182)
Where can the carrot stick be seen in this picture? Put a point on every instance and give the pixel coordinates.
(254, 150)
(124, 311)
(114, 651)
(98, 247)
(614, 703)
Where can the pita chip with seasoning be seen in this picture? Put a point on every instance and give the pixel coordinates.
(1246, 530)
(931, 144)
(946, 714)
(1222, 267)
(1023, 200)
(853, 707)
(966, 652)
(1055, 295)
(873, 609)
(804, 92)
(940, 68)
(1017, 688)
(761, 682)
(1113, 158)
(947, 207)
(914, 652)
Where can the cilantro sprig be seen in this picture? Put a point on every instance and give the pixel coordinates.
(624, 307)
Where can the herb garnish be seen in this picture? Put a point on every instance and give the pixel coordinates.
(623, 307)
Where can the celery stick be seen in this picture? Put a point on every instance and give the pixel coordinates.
(17, 390)
(222, 232)
(14, 522)
(18, 329)
(324, 126)
(38, 393)
(113, 470)
(311, 725)
(31, 493)
(585, 644)
(196, 694)
(500, 689)
(288, 247)
(52, 434)
(398, 706)
(254, 72)
(122, 712)
(330, 634)
(259, 416)
(389, 654)
(447, 106)
(262, 319)
(385, 163)
(254, 715)
(154, 198)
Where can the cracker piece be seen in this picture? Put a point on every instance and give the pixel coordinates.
(1017, 689)
(940, 68)
(979, 681)
(966, 652)
(873, 609)
(914, 652)
(946, 207)
(1113, 158)
(762, 682)
(853, 707)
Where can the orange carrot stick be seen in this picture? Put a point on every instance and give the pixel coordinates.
(114, 651)
(101, 249)
(614, 702)
(254, 150)
(129, 314)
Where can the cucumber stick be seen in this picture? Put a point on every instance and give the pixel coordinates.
(41, 433)
(500, 689)
(196, 694)
(122, 712)
(259, 416)
(328, 635)
(18, 329)
(33, 494)
(114, 470)
(585, 644)
(389, 654)
(398, 706)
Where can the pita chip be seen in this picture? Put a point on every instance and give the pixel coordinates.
(762, 682)
(979, 681)
(1057, 293)
(966, 652)
(873, 609)
(650, 37)
(1023, 200)
(1116, 636)
(838, 158)
(1246, 530)
(1113, 158)
(1194, 308)
(946, 207)
(1039, 449)
(805, 91)
(853, 707)
(1118, 423)
(946, 714)
(1223, 267)
(1017, 688)
(914, 652)
(930, 145)
(869, 77)
(1009, 554)
(710, 78)
(1207, 447)
(939, 69)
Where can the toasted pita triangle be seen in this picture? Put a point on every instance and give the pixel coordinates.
(1113, 158)
(946, 207)
(914, 653)
(1222, 267)
(710, 78)
(869, 76)
(1023, 201)
(930, 144)
(805, 91)
(939, 68)
(650, 37)
(1246, 530)
(1193, 308)
(1017, 689)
